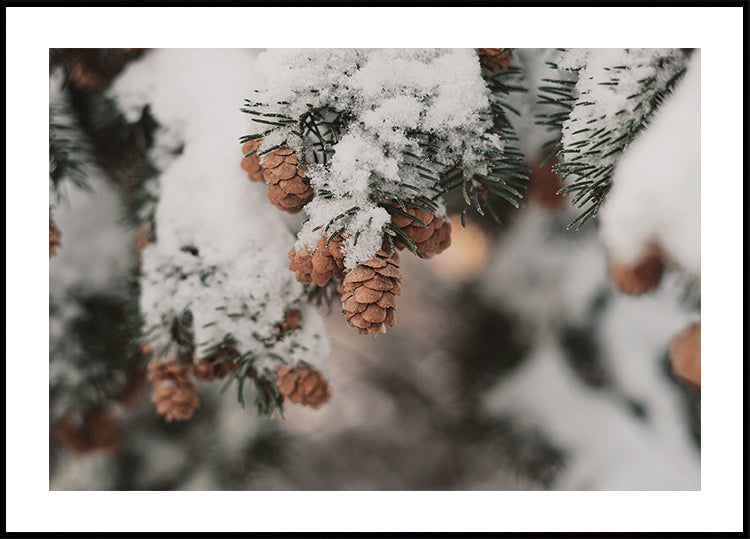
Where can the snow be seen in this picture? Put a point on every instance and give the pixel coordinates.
(656, 186)
(389, 93)
(221, 249)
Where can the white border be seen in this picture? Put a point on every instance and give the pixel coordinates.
(31, 507)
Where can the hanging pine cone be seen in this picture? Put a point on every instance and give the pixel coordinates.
(369, 298)
(251, 163)
(288, 189)
(99, 431)
(495, 59)
(174, 394)
(430, 240)
(544, 184)
(291, 320)
(643, 276)
(54, 236)
(685, 354)
(217, 365)
(320, 265)
(303, 385)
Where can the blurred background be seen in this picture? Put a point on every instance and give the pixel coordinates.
(515, 364)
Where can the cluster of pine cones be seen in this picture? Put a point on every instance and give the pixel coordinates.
(368, 293)
(175, 394)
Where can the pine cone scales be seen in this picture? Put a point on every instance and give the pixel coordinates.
(174, 394)
(54, 236)
(432, 240)
(302, 385)
(495, 59)
(641, 277)
(369, 297)
(251, 163)
(288, 189)
(320, 265)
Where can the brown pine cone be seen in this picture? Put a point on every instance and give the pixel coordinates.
(100, 431)
(288, 189)
(54, 236)
(320, 265)
(291, 320)
(495, 59)
(544, 184)
(685, 354)
(643, 276)
(303, 385)
(174, 394)
(216, 365)
(251, 163)
(430, 240)
(369, 298)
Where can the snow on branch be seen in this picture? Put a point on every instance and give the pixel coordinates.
(377, 126)
(656, 188)
(215, 278)
(603, 109)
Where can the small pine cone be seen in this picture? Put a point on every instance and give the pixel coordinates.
(369, 298)
(54, 236)
(288, 189)
(320, 265)
(302, 385)
(99, 431)
(685, 354)
(85, 77)
(643, 276)
(430, 240)
(495, 59)
(544, 184)
(251, 163)
(291, 320)
(217, 365)
(174, 394)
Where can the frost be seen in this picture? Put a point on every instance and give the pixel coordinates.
(656, 186)
(389, 103)
(221, 248)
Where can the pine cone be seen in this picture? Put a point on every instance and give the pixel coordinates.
(100, 431)
(174, 394)
(643, 276)
(54, 236)
(216, 365)
(302, 385)
(320, 265)
(685, 354)
(369, 298)
(495, 59)
(544, 184)
(251, 163)
(430, 240)
(288, 189)
(291, 320)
